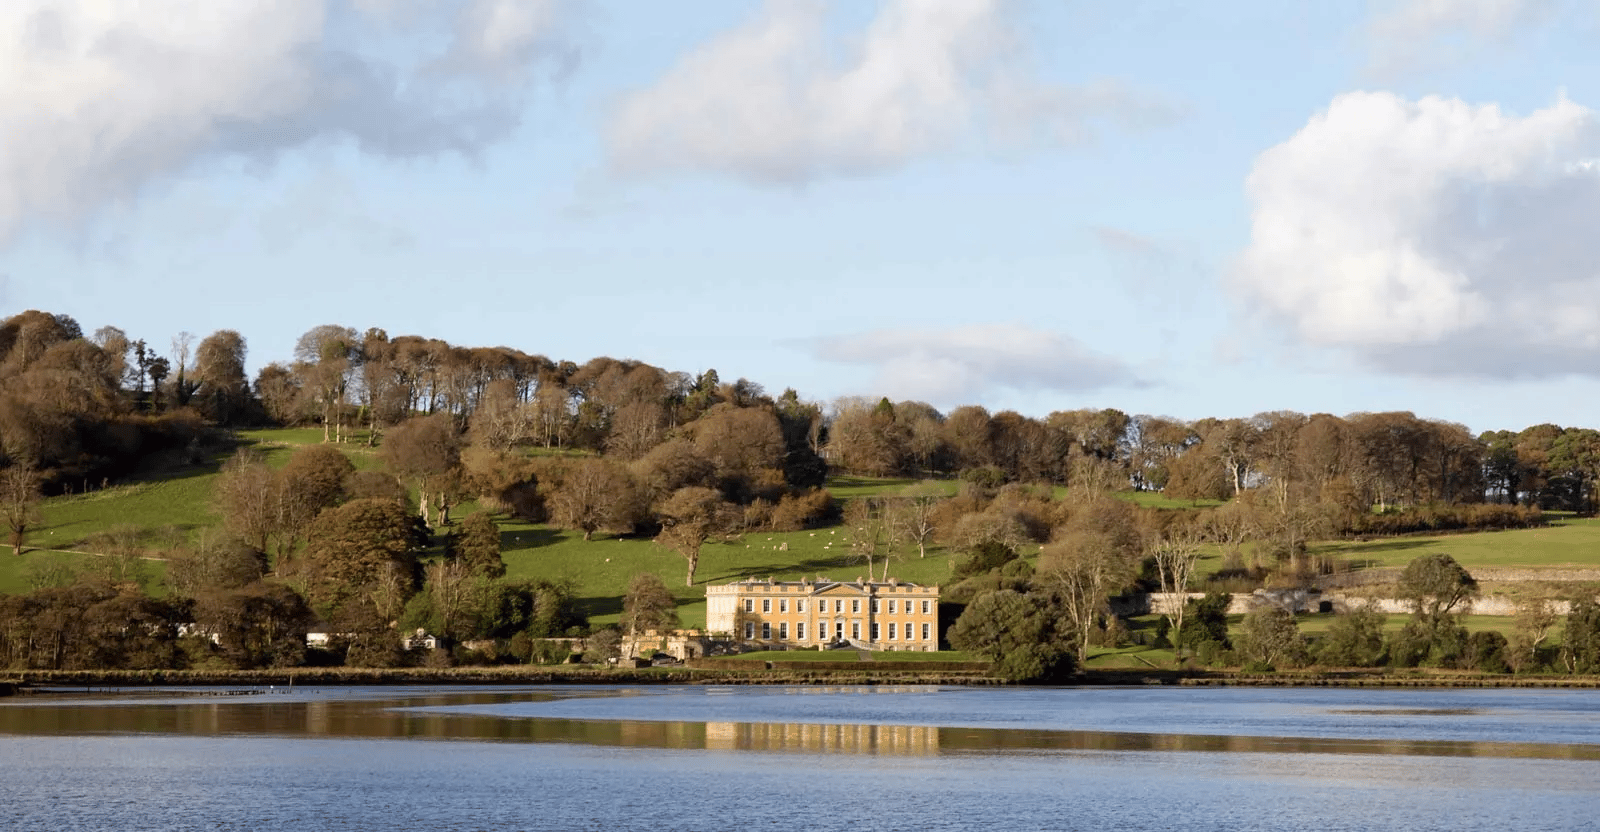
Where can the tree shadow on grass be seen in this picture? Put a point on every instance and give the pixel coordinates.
(1382, 546)
(842, 483)
(803, 566)
(528, 539)
(596, 606)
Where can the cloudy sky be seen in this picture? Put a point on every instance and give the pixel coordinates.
(1170, 208)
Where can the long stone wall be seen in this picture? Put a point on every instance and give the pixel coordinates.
(1483, 574)
(1162, 603)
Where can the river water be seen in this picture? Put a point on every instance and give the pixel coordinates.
(803, 758)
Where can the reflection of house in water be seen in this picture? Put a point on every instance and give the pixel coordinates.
(902, 740)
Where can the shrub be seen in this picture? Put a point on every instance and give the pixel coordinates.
(1486, 652)
(1354, 639)
(983, 557)
(1269, 637)
(806, 509)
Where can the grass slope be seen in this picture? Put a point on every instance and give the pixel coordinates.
(1568, 542)
(179, 503)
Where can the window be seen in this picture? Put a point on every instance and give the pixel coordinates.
(838, 605)
(855, 605)
(874, 605)
(783, 605)
(766, 605)
(892, 631)
(800, 631)
(799, 605)
(855, 629)
(766, 631)
(749, 605)
(925, 607)
(891, 606)
(924, 632)
(749, 629)
(874, 631)
(783, 630)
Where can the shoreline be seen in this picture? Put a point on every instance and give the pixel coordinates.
(35, 681)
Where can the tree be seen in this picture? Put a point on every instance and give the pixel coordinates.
(260, 625)
(1435, 586)
(246, 494)
(1175, 558)
(222, 390)
(649, 605)
(593, 495)
(325, 357)
(157, 369)
(280, 394)
(477, 545)
(19, 500)
(1082, 572)
(688, 518)
(1354, 639)
(501, 420)
(869, 532)
(1269, 637)
(183, 385)
(312, 481)
(1535, 619)
(1580, 648)
(912, 513)
(359, 543)
(426, 450)
(1022, 633)
(1209, 617)
(218, 564)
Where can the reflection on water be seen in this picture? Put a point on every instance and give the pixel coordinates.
(821, 759)
(502, 715)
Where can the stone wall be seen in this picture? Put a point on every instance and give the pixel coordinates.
(1483, 574)
(1162, 603)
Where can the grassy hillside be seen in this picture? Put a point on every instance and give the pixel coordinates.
(176, 505)
(1567, 542)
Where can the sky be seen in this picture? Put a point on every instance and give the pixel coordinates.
(1178, 209)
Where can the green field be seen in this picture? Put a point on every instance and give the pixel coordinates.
(177, 506)
(1567, 542)
(599, 569)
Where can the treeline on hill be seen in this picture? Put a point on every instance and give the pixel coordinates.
(622, 447)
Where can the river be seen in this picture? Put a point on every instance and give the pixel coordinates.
(803, 758)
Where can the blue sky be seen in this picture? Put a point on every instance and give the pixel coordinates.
(1179, 209)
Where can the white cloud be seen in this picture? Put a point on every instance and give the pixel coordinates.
(1417, 31)
(966, 364)
(1433, 236)
(779, 100)
(499, 38)
(100, 98)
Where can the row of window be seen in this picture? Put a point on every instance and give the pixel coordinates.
(838, 605)
(838, 631)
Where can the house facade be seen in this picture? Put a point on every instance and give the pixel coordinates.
(877, 615)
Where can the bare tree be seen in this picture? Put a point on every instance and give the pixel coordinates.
(19, 500)
(246, 495)
(1082, 570)
(1176, 556)
(594, 495)
(913, 513)
(182, 386)
(325, 357)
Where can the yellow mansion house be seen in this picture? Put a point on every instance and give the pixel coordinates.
(878, 615)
